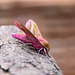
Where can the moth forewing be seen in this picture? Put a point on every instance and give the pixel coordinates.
(27, 32)
(33, 28)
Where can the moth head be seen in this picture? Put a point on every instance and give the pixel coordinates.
(44, 42)
(47, 46)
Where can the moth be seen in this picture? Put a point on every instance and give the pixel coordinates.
(31, 34)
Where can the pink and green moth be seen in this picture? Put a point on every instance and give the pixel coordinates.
(32, 35)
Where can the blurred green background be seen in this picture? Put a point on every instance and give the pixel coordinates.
(56, 21)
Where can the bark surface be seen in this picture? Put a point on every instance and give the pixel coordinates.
(18, 58)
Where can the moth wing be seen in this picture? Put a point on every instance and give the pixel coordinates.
(21, 36)
(27, 32)
(33, 28)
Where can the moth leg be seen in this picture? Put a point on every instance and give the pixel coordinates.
(40, 50)
(45, 52)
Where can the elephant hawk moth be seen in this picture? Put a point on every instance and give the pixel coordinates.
(31, 34)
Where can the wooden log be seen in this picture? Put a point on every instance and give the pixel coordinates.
(18, 58)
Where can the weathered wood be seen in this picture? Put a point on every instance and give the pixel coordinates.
(18, 58)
